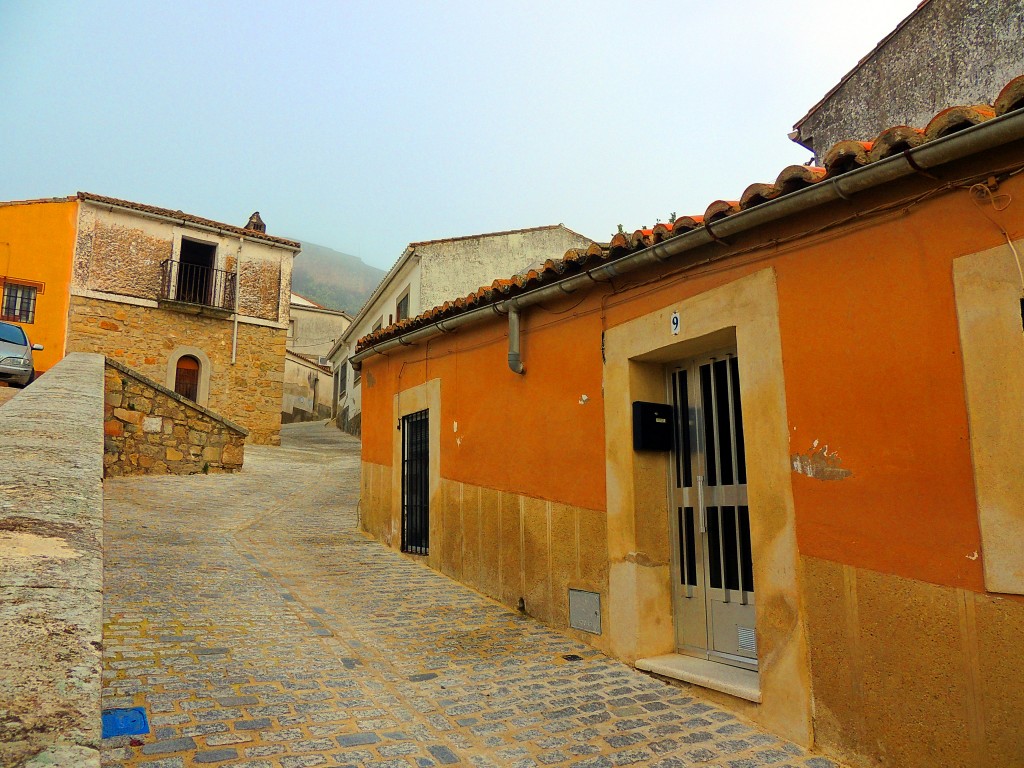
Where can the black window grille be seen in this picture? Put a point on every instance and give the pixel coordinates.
(416, 483)
(19, 303)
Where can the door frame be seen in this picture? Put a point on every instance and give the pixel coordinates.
(743, 313)
(423, 397)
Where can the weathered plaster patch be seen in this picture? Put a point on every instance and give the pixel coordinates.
(644, 560)
(14, 546)
(820, 464)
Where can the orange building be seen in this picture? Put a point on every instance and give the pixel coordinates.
(773, 450)
(37, 241)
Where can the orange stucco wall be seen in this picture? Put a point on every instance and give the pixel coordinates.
(494, 424)
(37, 242)
(872, 368)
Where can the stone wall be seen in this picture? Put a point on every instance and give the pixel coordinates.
(51, 568)
(948, 53)
(150, 429)
(122, 252)
(146, 338)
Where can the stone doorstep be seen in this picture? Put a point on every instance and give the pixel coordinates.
(741, 683)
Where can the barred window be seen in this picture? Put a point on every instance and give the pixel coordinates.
(19, 303)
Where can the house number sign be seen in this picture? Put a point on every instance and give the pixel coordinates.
(675, 323)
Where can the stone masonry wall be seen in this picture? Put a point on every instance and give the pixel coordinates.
(150, 429)
(248, 393)
(121, 252)
(51, 568)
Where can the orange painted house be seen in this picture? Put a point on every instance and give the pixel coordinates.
(773, 450)
(37, 240)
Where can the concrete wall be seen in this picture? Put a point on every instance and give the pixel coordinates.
(151, 430)
(451, 269)
(885, 500)
(307, 391)
(313, 331)
(951, 52)
(51, 571)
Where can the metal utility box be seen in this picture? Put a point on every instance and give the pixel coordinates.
(585, 611)
(652, 426)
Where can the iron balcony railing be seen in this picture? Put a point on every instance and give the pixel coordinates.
(198, 284)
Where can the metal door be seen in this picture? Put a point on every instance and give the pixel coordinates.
(713, 580)
(416, 483)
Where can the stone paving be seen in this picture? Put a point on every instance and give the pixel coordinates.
(260, 629)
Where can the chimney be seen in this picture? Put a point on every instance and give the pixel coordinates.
(255, 223)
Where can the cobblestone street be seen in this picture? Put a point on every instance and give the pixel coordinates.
(259, 628)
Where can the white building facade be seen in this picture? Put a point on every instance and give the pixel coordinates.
(427, 274)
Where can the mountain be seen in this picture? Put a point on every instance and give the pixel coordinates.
(334, 279)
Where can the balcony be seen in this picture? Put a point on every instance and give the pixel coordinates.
(197, 289)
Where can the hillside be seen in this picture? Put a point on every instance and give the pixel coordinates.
(332, 278)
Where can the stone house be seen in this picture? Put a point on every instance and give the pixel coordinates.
(426, 274)
(199, 306)
(946, 52)
(312, 331)
(772, 450)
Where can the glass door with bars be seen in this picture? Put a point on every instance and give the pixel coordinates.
(712, 574)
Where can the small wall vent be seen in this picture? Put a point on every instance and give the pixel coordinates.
(585, 611)
(747, 639)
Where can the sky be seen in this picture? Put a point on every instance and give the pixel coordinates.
(364, 126)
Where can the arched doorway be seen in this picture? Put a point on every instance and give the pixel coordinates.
(186, 377)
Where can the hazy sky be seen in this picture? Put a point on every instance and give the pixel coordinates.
(366, 125)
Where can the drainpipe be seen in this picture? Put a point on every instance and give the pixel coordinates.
(238, 291)
(515, 359)
(978, 138)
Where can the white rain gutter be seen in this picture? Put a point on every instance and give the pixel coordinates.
(978, 138)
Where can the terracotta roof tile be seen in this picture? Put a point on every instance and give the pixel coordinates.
(756, 194)
(719, 210)
(845, 156)
(188, 217)
(894, 140)
(956, 119)
(1011, 97)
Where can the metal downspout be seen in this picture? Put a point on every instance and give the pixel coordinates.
(238, 291)
(515, 359)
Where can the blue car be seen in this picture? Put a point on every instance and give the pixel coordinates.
(16, 365)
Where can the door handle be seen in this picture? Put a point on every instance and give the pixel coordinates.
(702, 516)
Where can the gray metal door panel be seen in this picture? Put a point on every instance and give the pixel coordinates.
(712, 560)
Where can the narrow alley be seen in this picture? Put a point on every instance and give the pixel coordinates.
(259, 628)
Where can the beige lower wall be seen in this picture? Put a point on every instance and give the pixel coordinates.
(505, 545)
(144, 338)
(911, 674)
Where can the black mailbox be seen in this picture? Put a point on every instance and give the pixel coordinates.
(652, 426)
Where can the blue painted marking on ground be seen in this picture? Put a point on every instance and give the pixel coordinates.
(125, 722)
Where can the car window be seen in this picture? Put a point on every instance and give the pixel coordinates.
(12, 334)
